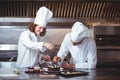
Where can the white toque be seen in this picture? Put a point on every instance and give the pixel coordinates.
(79, 31)
(43, 15)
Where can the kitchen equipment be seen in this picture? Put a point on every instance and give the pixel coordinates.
(107, 37)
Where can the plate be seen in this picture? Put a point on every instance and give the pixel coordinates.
(73, 73)
(46, 70)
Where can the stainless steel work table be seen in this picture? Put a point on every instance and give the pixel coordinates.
(96, 74)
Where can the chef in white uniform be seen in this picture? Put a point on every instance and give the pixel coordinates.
(29, 47)
(81, 46)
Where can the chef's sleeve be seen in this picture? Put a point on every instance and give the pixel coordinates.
(26, 41)
(62, 53)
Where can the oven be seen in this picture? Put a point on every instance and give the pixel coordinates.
(107, 38)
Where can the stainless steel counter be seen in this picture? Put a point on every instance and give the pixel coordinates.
(96, 74)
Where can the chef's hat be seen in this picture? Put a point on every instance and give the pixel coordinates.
(79, 31)
(43, 16)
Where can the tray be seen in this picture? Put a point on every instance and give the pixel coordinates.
(73, 73)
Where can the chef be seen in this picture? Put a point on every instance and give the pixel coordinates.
(81, 46)
(29, 48)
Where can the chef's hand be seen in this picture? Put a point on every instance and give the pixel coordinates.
(46, 58)
(49, 46)
(56, 59)
(68, 65)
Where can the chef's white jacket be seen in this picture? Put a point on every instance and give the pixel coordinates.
(29, 49)
(83, 55)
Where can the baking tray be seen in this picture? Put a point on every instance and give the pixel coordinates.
(73, 73)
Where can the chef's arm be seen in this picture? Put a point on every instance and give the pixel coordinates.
(63, 51)
(25, 40)
(61, 56)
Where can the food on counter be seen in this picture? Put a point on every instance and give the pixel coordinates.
(74, 72)
(53, 67)
(32, 70)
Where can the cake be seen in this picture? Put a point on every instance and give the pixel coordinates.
(54, 67)
(32, 70)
